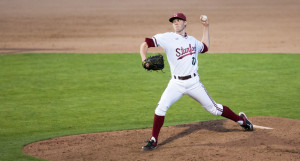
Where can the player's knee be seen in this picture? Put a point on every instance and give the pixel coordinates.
(161, 110)
(211, 110)
(214, 109)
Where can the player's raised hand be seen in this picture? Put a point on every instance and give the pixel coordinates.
(204, 20)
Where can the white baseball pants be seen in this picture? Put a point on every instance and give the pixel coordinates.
(191, 87)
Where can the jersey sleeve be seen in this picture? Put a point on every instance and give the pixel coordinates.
(155, 41)
(160, 40)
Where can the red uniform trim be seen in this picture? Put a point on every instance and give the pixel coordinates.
(185, 55)
(155, 41)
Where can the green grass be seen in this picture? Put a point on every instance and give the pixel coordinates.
(49, 95)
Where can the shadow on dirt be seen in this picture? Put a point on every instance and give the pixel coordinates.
(217, 126)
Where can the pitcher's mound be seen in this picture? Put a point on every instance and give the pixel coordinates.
(210, 140)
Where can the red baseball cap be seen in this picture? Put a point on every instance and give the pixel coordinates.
(177, 15)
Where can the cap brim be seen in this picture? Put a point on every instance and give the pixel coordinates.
(172, 18)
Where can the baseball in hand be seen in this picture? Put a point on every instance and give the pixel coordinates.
(203, 18)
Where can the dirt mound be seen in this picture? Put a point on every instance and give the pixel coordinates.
(210, 140)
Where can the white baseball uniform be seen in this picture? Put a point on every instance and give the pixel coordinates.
(182, 54)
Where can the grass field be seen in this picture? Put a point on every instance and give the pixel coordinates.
(49, 95)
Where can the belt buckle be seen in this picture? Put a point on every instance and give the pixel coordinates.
(184, 77)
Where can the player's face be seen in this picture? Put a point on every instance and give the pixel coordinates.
(179, 25)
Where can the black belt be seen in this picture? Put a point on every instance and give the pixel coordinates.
(184, 77)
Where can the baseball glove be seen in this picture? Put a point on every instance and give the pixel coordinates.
(154, 62)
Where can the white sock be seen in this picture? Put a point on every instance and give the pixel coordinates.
(153, 138)
(241, 122)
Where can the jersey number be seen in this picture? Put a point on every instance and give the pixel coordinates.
(193, 60)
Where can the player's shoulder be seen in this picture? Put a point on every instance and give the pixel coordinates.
(166, 34)
(192, 37)
(170, 33)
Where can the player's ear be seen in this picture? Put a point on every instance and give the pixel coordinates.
(185, 22)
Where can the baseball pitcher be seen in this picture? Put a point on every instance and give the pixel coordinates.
(182, 54)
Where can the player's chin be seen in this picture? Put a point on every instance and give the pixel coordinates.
(177, 30)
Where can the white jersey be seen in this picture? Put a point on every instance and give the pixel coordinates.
(182, 52)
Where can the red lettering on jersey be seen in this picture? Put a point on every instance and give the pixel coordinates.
(178, 53)
(183, 52)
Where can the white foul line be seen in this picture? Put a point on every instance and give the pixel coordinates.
(262, 127)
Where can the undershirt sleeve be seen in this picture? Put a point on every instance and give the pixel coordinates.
(149, 42)
(205, 49)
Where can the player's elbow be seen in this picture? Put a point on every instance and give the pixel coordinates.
(207, 45)
(144, 46)
(143, 50)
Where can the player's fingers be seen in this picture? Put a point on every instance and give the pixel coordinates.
(147, 65)
(205, 23)
(201, 17)
(204, 20)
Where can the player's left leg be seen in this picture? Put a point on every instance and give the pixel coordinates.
(201, 95)
(171, 94)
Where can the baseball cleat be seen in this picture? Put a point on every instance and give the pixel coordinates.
(150, 145)
(247, 125)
